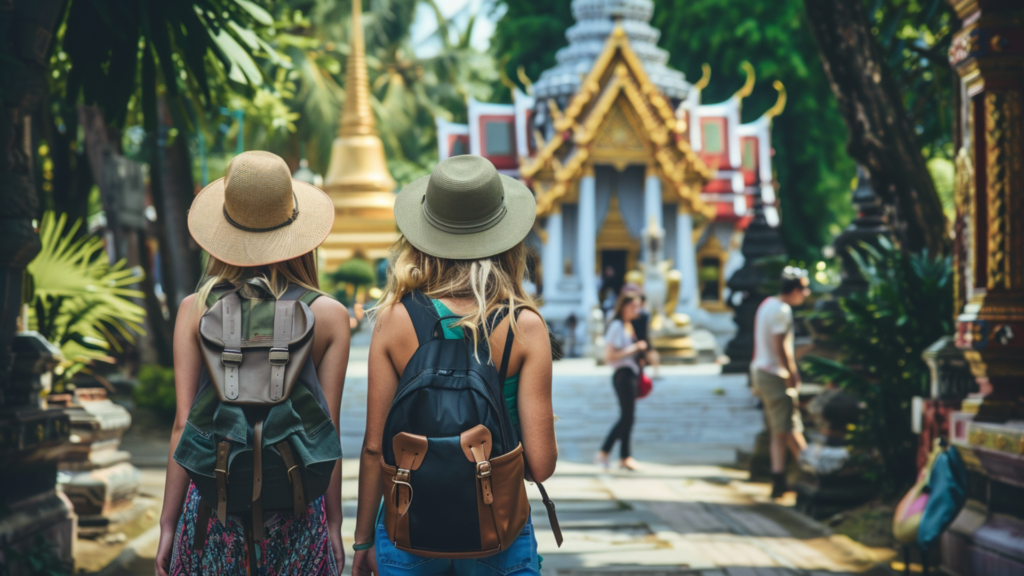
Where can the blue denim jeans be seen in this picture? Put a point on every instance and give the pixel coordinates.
(519, 560)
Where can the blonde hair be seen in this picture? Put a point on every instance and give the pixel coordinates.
(301, 270)
(494, 283)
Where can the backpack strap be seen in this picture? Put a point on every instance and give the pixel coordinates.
(423, 315)
(231, 357)
(283, 326)
(509, 340)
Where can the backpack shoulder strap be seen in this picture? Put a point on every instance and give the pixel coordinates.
(509, 340)
(219, 291)
(422, 313)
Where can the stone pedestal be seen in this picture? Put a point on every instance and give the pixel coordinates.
(832, 475)
(750, 285)
(32, 440)
(94, 473)
(988, 55)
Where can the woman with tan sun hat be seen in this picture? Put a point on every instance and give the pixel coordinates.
(254, 478)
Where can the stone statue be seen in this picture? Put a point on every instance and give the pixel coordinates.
(669, 330)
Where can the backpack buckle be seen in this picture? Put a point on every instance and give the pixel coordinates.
(278, 356)
(402, 476)
(483, 469)
(231, 357)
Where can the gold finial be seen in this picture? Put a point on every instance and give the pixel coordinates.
(705, 77)
(503, 76)
(618, 32)
(357, 116)
(527, 83)
(748, 86)
(780, 104)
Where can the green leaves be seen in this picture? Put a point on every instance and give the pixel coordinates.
(82, 303)
(880, 334)
(123, 49)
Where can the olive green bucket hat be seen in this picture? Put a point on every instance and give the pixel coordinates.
(465, 210)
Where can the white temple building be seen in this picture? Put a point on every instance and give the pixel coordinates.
(611, 140)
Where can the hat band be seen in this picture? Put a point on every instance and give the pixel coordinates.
(472, 227)
(295, 214)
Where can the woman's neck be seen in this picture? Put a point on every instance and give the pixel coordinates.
(460, 306)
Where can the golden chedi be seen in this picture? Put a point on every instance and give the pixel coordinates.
(357, 179)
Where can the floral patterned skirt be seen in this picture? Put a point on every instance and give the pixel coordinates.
(293, 544)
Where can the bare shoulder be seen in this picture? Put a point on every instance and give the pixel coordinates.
(330, 312)
(392, 318)
(532, 324)
(187, 314)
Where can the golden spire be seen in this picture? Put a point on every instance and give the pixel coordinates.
(357, 157)
(357, 116)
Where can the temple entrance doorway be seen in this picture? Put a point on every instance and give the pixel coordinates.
(613, 274)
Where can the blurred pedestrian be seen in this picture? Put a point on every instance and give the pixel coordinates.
(774, 373)
(620, 351)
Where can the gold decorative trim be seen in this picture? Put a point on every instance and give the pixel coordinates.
(963, 226)
(1002, 112)
(748, 84)
(995, 437)
(780, 102)
(705, 77)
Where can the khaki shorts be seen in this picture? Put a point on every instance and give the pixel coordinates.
(781, 404)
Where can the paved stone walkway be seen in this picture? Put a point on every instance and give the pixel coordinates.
(687, 513)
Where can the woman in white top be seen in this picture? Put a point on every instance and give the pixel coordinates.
(620, 352)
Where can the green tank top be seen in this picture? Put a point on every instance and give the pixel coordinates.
(511, 387)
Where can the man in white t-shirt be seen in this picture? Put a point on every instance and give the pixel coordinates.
(774, 374)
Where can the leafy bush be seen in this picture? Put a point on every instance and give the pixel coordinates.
(81, 302)
(881, 334)
(355, 271)
(155, 390)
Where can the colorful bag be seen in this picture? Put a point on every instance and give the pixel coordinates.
(907, 518)
(644, 385)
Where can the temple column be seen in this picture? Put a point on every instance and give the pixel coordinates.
(586, 242)
(552, 256)
(989, 194)
(687, 256)
(652, 200)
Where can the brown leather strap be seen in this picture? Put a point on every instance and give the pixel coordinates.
(294, 476)
(202, 525)
(283, 312)
(221, 472)
(410, 450)
(250, 549)
(257, 480)
(476, 445)
(552, 517)
(231, 357)
(483, 473)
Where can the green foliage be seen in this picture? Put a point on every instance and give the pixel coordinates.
(155, 390)
(915, 36)
(813, 169)
(82, 302)
(117, 53)
(355, 271)
(881, 334)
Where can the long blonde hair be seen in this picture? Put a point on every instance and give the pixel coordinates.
(301, 270)
(494, 283)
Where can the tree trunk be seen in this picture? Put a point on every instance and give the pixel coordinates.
(880, 135)
(173, 190)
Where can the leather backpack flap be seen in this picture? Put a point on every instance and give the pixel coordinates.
(260, 366)
(410, 450)
(511, 507)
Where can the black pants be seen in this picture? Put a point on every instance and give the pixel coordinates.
(624, 381)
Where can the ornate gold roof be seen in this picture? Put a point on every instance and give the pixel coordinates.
(617, 91)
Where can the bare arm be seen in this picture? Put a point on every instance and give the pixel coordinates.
(613, 354)
(786, 360)
(333, 334)
(187, 366)
(381, 386)
(536, 417)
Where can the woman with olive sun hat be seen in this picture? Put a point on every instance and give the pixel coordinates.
(456, 274)
(260, 229)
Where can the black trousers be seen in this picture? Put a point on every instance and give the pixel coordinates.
(624, 381)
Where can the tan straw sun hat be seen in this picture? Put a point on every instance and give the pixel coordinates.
(465, 210)
(257, 215)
